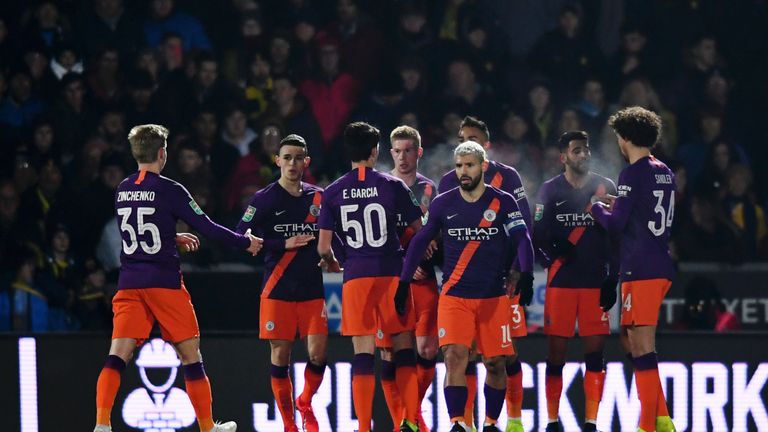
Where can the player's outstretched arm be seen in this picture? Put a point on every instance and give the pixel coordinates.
(614, 215)
(418, 245)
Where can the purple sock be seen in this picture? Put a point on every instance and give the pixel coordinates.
(387, 370)
(194, 371)
(362, 364)
(494, 399)
(646, 361)
(455, 400)
(278, 371)
(471, 368)
(115, 362)
(514, 367)
(594, 361)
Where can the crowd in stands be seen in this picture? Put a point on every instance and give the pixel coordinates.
(230, 78)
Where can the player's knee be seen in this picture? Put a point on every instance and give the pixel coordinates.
(455, 358)
(494, 365)
(428, 352)
(317, 358)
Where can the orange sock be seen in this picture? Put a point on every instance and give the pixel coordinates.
(363, 385)
(313, 377)
(648, 388)
(514, 395)
(554, 388)
(425, 369)
(661, 404)
(282, 389)
(391, 394)
(469, 408)
(199, 392)
(593, 393)
(106, 388)
(408, 383)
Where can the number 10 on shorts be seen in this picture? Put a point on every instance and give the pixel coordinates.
(506, 335)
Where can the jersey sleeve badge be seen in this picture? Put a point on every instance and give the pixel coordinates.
(249, 212)
(539, 212)
(195, 208)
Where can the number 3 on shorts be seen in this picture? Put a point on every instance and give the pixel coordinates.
(627, 303)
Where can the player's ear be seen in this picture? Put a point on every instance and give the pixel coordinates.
(276, 159)
(485, 165)
(562, 157)
(307, 161)
(421, 151)
(487, 145)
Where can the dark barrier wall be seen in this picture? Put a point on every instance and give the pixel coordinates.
(714, 383)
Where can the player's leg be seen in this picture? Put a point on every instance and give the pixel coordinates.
(557, 348)
(388, 381)
(642, 341)
(594, 378)
(594, 326)
(456, 321)
(120, 352)
(514, 394)
(495, 341)
(313, 327)
(404, 357)
(197, 383)
(132, 323)
(363, 380)
(280, 379)
(425, 298)
(471, 373)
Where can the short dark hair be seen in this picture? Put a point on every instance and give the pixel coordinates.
(294, 140)
(574, 135)
(360, 138)
(476, 123)
(636, 124)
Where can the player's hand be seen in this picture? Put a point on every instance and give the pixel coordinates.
(401, 297)
(608, 294)
(562, 248)
(420, 274)
(256, 242)
(188, 242)
(430, 250)
(298, 241)
(606, 200)
(524, 288)
(330, 266)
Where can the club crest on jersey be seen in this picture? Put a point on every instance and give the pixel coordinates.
(489, 215)
(314, 210)
(441, 332)
(379, 334)
(249, 212)
(270, 326)
(539, 212)
(195, 208)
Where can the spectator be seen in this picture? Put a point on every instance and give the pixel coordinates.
(704, 308)
(236, 131)
(682, 209)
(43, 144)
(593, 107)
(633, 59)
(220, 156)
(709, 238)
(640, 92)
(514, 145)
(108, 23)
(721, 156)
(744, 212)
(253, 169)
(45, 202)
(73, 118)
(48, 27)
(292, 110)
(565, 55)
(711, 129)
(540, 112)
(332, 94)
(414, 83)
(164, 19)
(252, 40)
(65, 60)
(257, 87)
(105, 81)
(37, 62)
(139, 107)
(281, 55)
(28, 306)
(191, 169)
(93, 304)
(147, 61)
(413, 36)
(21, 106)
(11, 229)
(568, 121)
(362, 46)
(58, 277)
(701, 59)
(464, 90)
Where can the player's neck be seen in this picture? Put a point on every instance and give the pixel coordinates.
(292, 187)
(408, 178)
(369, 163)
(634, 154)
(150, 167)
(576, 180)
(474, 194)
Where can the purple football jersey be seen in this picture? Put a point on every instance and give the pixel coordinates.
(562, 212)
(502, 177)
(275, 215)
(362, 207)
(479, 239)
(425, 191)
(643, 215)
(148, 206)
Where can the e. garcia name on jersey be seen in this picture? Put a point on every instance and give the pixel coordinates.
(472, 234)
(369, 192)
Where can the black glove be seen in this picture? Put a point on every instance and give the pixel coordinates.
(401, 297)
(608, 294)
(562, 248)
(524, 287)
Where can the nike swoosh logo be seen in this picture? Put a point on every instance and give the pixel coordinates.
(515, 327)
(452, 216)
(506, 345)
(279, 213)
(557, 204)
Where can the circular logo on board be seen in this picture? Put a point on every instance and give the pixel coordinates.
(489, 215)
(441, 332)
(314, 210)
(379, 334)
(270, 326)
